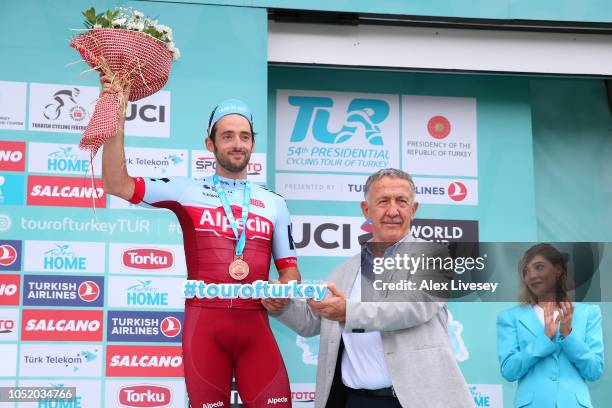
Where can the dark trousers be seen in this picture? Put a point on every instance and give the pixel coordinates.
(363, 401)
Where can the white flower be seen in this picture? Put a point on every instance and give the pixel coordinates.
(164, 29)
(97, 26)
(167, 37)
(138, 15)
(119, 22)
(176, 53)
(133, 25)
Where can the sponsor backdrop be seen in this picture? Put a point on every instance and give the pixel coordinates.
(91, 299)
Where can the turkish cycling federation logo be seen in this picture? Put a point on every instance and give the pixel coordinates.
(64, 100)
(314, 114)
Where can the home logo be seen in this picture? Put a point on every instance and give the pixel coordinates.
(65, 100)
(144, 294)
(171, 326)
(457, 191)
(65, 191)
(147, 259)
(314, 114)
(145, 396)
(12, 156)
(66, 159)
(439, 127)
(89, 291)
(61, 258)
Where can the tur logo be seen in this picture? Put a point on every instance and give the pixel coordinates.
(314, 113)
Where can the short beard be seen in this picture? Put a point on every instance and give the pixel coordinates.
(228, 165)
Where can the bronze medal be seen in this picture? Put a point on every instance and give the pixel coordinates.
(239, 269)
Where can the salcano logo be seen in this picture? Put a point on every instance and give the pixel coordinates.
(12, 156)
(361, 112)
(144, 361)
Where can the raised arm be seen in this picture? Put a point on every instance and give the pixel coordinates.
(115, 178)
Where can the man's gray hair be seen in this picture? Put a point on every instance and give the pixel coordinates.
(390, 172)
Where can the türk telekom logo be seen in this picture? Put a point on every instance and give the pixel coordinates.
(147, 258)
(145, 396)
(89, 291)
(144, 361)
(457, 191)
(62, 325)
(9, 290)
(439, 127)
(65, 191)
(12, 156)
(214, 219)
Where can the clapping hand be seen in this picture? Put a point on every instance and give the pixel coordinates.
(567, 314)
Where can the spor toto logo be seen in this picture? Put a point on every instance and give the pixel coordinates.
(457, 191)
(89, 291)
(8, 255)
(148, 258)
(170, 326)
(439, 127)
(145, 396)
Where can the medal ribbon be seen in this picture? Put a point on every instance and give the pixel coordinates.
(246, 206)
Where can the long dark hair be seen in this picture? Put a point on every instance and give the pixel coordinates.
(556, 258)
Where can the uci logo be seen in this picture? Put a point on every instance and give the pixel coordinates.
(366, 114)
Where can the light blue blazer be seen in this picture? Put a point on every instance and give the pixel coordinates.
(550, 373)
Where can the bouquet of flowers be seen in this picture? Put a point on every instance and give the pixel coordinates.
(135, 52)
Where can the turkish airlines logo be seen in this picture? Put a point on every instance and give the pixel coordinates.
(457, 191)
(148, 258)
(145, 396)
(89, 291)
(144, 361)
(62, 325)
(214, 219)
(439, 127)
(8, 255)
(65, 191)
(12, 156)
(170, 326)
(9, 290)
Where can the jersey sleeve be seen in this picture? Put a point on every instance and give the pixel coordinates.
(150, 192)
(283, 247)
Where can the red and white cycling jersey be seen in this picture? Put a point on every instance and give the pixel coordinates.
(207, 234)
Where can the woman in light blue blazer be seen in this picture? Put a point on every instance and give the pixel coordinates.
(547, 344)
